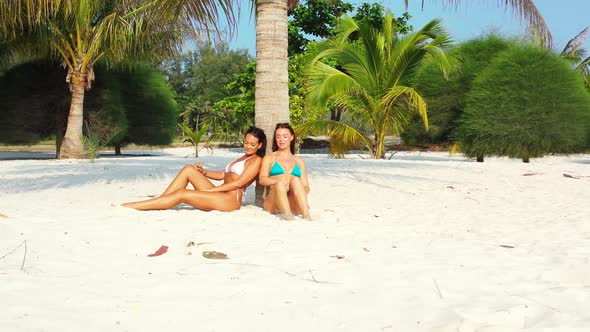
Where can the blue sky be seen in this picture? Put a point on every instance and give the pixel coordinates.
(565, 19)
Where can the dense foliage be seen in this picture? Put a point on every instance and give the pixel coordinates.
(446, 97)
(527, 103)
(33, 99)
(366, 78)
(134, 103)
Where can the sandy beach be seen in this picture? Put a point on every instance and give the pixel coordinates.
(422, 242)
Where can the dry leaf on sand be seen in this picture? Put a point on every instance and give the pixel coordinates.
(161, 251)
(214, 255)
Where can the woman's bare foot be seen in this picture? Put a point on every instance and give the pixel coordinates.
(289, 217)
(307, 217)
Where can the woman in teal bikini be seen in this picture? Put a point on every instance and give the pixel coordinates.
(285, 175)
(236, 176)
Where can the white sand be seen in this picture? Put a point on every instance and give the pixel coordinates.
(421, 237)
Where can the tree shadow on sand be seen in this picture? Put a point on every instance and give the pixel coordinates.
(35, 175)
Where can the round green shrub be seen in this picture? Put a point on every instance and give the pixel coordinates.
(149, 104)
(446, 98)
(527, 103)
(33, 96)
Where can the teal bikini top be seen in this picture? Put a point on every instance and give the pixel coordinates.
(277, 169)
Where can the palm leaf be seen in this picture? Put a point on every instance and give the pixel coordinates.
(523, 9)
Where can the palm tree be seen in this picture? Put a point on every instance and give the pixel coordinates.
(369, 82)
(272, 79)
(272, 98)
(79, 33)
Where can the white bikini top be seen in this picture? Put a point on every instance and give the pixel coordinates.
(237, 168)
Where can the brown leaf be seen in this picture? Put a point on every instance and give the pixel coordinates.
(3, 215)
(506, 246)
(214, 255)
(367, 250)
(450, 187)
(190, 244)
(337, 256)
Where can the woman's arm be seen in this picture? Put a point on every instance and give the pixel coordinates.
(303, 174)
(251, 169)
(215, 175)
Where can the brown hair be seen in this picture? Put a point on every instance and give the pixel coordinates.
(258, 133)
(286, 125)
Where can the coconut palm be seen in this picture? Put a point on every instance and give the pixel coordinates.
(369, 82)
(272, 79)
(79, 33)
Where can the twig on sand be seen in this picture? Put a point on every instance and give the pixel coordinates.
(532, 173)
(533, 300)
(571, 176)
(361, 157)
(24, 257)
(20, 245)
(392, 154)
(258, 265)
(437, 289)
(318, 281)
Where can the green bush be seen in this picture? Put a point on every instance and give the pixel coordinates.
(446, 98)
(34, 104)
(33, 96)
(149, 105)
(527, 103)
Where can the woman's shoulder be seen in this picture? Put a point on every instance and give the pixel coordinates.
(255, 158)
(271, 155)
(299, 160)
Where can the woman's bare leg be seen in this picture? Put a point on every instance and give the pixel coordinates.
(298, 198)
(277, 200)
(207, 201)
(188, 174)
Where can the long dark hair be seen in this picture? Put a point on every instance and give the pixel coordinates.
(275, 147)
(258, 133)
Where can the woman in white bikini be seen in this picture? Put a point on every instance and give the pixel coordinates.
(236, 176)
(285, 175)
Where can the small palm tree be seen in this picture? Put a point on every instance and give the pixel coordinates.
(370, 82)
(79, 33)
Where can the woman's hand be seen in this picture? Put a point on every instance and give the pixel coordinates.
(200, 168)
(286, 185)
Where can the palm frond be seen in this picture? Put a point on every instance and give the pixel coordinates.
(524, 10)
(575, 43)
(584, 67)
(324, 82)
(400, 102)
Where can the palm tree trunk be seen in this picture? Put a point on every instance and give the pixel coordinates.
(272, 79)
(72, 146)
(378, 152)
